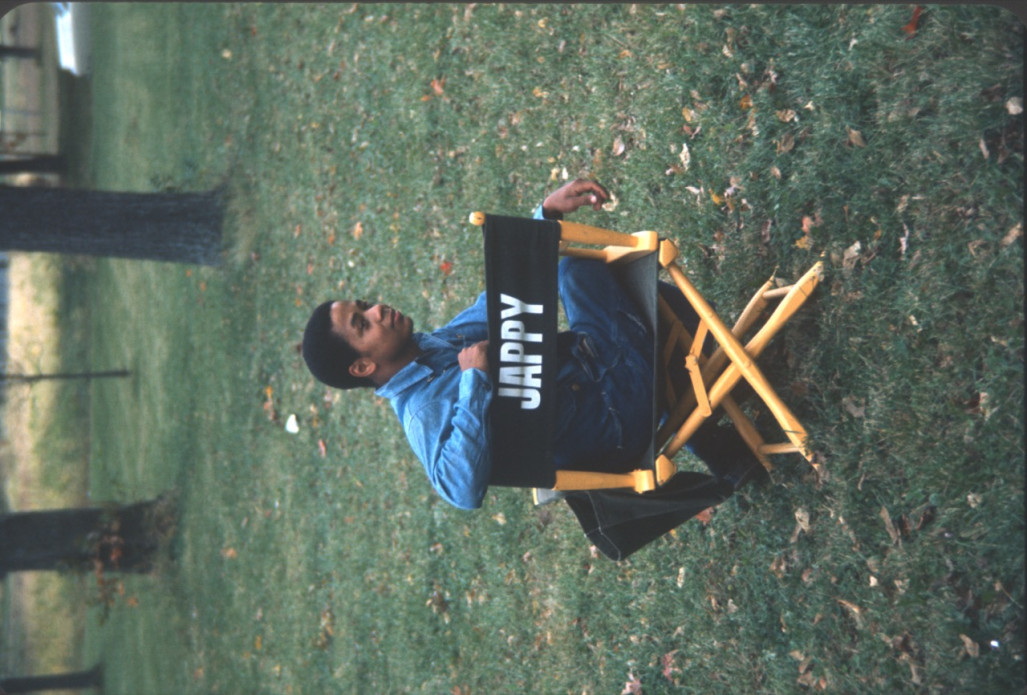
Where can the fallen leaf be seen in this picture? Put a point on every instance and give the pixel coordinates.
(446, 267)
(358, 230)
(890, 527)
(850, 256)
(801, 524)
(667, 661)
(618, 147)
(786, 115)
(786, 143)
(911, 26)
(705, 516)
(686, 156)
(856, 138)
(851, 607)
(802, 517)
(854, 407)
(633, 686)
(228, 553)
(1014, 106)
(1012, 235)
(438, 86)
(321, 448)
(746, 102)
(974, 246)
(805, 243)
(984, 148)
(972, 648)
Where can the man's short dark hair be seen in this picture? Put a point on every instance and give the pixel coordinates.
(327, 354)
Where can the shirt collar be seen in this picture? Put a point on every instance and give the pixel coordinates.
(436, 355)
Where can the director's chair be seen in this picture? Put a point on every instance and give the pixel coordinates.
(691, 380)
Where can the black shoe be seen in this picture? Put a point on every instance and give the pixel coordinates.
(748, 470)
(726, 454)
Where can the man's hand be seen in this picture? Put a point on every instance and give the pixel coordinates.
(474, 357)
(572, 196)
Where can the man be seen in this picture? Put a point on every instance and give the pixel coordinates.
(438, 382)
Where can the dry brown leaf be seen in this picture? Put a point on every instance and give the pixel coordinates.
(1014, 106)
(786, 143)
(802, 517)
(786, 115)
(686, 156)
(851, 255)
(890, 527)
(667, 661)
(972, 648)
(358, 230)
(851, 607)
(856, 138)
(618, 147)
(1011, 236)
(801, 523)
(854, 407)
(911, 26)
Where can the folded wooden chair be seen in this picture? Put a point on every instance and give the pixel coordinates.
(521, 258)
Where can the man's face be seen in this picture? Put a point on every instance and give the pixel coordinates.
(378, 332)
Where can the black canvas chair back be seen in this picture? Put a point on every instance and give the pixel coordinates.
(521, 258)
(521, 269)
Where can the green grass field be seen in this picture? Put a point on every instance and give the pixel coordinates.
(356, 139)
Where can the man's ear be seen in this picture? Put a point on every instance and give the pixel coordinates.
(363, 367)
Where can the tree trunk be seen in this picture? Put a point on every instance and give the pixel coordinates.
(18, 52)
(32, 164)
(79, 680)
(119, 538)
(179, 227)
(65, 376)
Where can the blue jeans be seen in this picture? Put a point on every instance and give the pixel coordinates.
(604, 385)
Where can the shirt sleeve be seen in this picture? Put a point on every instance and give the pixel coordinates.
(451, 439)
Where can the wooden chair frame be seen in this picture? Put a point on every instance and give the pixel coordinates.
(713, 378)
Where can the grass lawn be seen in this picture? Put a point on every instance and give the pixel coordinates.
(355, 139)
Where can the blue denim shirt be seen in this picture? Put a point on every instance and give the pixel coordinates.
(444, 411)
